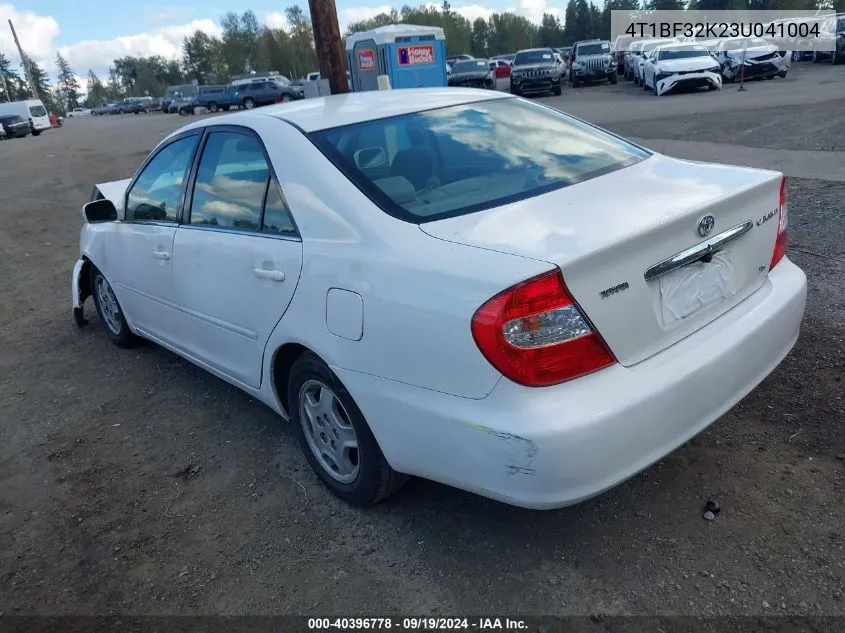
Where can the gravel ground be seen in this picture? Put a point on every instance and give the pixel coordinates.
(135, 483)
(813, 127)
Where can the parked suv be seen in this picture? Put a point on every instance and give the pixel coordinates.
(536, 70)
(591, 61)
(261, 92)
(14, 126)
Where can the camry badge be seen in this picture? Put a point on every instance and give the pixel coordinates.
(767, 217)
(705, 225)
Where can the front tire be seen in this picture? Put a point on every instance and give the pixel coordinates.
(557, 91)
(212, 107)
(613, 79)
(110, 311)
(335, 437)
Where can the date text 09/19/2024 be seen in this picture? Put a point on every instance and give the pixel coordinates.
(417, 624)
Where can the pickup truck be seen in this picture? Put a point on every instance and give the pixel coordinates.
(214, 98)
(106, 108)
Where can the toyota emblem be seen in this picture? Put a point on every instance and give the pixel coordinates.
(705, 225)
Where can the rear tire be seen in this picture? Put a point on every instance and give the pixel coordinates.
(212, 107)
(326, 419)
(249, 103)
(110, 312)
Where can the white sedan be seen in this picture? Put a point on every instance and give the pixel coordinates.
(681, 65)
(454, 284)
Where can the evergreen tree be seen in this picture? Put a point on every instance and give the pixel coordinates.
(67, 85)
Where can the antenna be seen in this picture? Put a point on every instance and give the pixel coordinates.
(24, 60)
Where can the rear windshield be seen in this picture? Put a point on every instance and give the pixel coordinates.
(37, 110)
(10, 118)
(471, 66)
(533, 57)
(462, 159)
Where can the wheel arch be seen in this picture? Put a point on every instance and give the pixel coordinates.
(280, 366)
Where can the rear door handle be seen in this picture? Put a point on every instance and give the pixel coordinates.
(273, 275)
(161, 254)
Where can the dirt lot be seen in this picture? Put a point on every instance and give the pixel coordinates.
(134, 483)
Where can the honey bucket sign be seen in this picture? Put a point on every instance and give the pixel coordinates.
(366, 59)
(416, 55)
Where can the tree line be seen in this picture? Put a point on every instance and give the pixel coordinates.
(245, 45)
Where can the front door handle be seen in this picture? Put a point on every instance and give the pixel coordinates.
(161, 254)
(273, 275)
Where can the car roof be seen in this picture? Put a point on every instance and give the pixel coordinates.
(322, 113)
(535, 50)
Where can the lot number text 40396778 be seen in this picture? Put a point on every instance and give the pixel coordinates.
(417, 624)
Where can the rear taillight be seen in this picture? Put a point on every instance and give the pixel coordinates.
(783, 216)
(535, 335)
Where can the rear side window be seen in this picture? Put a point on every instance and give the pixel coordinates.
(453, 161)
(230, 184)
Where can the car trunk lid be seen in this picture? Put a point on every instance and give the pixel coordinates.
(629, 246)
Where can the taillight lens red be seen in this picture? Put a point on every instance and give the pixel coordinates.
(781, 242)
(535, 335)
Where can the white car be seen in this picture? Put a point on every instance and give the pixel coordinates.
(680, 65)
(77, 112)
(450, 283)
(759, 58)
(643, 51)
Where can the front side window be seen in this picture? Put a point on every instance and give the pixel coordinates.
(37, 110)
(157, 192)
(471, 157)
(230, 184)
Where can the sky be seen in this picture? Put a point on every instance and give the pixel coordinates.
(90, 34)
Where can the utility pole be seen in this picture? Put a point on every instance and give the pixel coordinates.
(328, 44)
(24, 60)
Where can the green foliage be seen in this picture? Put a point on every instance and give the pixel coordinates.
(67, 86)
(245, 45)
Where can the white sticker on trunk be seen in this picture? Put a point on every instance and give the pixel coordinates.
(690, 289)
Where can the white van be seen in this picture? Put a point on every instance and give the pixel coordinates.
(31, 110)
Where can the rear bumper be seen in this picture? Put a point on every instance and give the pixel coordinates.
(552, 447)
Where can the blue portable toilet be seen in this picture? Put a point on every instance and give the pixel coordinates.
(411, 56)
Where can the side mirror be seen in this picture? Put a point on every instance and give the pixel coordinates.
(370, 158)
(99, 211)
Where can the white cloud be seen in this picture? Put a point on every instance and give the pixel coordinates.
(359, 14)
(474, 11)
(534, 10)
(166, 41)
(276, 20)
(35, 32)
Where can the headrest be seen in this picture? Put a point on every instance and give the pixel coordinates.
(399, 189)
